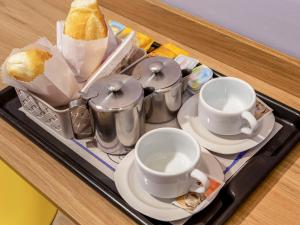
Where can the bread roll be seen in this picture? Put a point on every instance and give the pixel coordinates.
(85, 21)
(27, 65)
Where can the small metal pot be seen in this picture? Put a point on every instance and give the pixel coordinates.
(164, 75)
(80, 119)
(116, 104)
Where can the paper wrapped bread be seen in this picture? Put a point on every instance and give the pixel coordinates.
(27, 65)
(41, 69)
(84, 38)
(85, 21)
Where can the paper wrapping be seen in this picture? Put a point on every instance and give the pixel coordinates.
(57, 86)
(84, 57)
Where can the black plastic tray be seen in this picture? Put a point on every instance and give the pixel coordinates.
(232, 194)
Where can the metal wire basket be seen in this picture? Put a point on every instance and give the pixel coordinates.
(68, 122)
(58, 120)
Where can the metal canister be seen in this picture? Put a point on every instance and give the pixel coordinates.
(116, 106)
(164, 75)
(80, 119)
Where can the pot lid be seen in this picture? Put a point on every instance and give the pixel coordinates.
(158, 72)
(115, 92)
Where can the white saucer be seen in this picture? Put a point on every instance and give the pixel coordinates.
(131, 191)
(188, 121)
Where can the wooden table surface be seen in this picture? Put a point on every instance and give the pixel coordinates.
(275, 201)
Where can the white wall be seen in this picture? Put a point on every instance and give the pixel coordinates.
(275, 23)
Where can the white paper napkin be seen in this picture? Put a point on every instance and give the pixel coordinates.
(57, 86)
(83, 56)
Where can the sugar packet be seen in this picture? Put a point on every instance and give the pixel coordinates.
(193, 202)
(168, 50)
(262, 109)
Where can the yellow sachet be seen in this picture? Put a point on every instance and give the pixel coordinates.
(168, 50)
(142, 41)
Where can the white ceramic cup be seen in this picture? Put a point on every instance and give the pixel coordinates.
(227, 106)
(165, 160)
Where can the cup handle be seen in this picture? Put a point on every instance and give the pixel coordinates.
(202, 177)
(252, 122)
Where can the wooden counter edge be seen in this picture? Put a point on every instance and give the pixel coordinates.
(245, 55)
(278, 93)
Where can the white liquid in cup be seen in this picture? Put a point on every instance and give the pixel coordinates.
(169, 162)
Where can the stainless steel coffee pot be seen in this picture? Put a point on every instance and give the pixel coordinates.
(164, 75)
(117, 105)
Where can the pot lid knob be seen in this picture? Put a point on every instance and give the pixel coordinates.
(115, 86)
(156, 67)
(115, 93)
(158, 72)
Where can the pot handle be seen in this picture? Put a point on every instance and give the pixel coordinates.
(186, 72)
(148, 91)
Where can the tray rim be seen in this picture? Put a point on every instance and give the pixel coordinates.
(103, 188)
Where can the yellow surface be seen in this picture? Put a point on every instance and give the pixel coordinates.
(21, 204)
